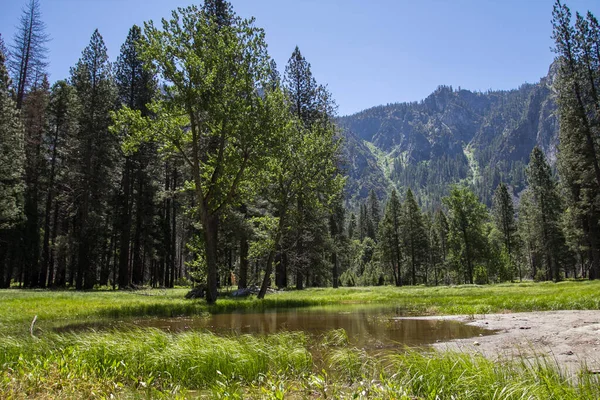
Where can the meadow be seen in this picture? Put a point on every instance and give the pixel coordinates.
(38, 362)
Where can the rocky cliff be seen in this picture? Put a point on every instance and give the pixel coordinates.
(452, 136)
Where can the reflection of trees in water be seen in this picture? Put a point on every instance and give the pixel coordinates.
(363, 327)
(369, 328)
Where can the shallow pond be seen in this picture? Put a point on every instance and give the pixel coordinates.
(367, 327)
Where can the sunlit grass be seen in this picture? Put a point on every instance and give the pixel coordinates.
(149, 363)
(18, 307)
(142, 363)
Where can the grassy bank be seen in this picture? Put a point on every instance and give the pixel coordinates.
(18, 307)
(151, 363)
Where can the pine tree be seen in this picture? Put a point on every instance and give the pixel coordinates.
(546, 198)
(93, 82)
(12, 158)
(36, 125)
(312, 105)
(441, 229)
(29, 53)
(301, 87)
(415, 238)
(503, 216)
(390, 237)
(136, 86)
(61, 149)
(579, 111)
(352, 227)
(374, 214)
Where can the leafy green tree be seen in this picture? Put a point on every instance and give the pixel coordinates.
(466, 236)
(414, 237)
(391, 235)
(503, 216)
(311, 104)
(302, 161)
(211, 112)
(434, 257)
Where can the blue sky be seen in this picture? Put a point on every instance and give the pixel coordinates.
(367, 52)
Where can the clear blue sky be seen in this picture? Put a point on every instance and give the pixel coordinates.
(367, 52)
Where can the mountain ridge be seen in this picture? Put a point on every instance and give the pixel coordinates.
(451, 136)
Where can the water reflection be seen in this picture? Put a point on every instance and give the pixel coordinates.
(366, 327)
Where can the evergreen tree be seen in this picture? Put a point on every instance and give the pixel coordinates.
(374, 214)
(312, 105)
(93, 82)
(301, 87)
(503, 216)
(528, 225)
(440, 230)
(35, 122)
(29, 53)
(545, 196)
(61, 150)
(415, 238)
(352, 227)
(12, 158)
(136, 87)
(390, 237)
(579, 111)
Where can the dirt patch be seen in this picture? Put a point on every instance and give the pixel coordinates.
(570, 339)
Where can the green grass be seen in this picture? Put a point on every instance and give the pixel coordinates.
(54, 308)
(150, 363)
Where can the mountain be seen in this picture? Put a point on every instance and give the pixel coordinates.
(451, 136)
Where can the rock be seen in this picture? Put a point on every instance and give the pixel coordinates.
(244, 292)
(198, 292)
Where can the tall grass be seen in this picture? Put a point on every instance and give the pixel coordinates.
(149, 358)
(151, 363)
(148, 362)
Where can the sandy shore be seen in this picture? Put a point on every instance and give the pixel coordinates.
(569, 338)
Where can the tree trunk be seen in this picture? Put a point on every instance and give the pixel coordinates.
(211, 229)
(137, 265)
(125, 227)
(468, 257)
(334, 261)
(243, 278)
(172, 260)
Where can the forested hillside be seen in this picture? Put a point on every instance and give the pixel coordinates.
(453, 136)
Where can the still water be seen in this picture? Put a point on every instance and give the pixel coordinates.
(366, 327)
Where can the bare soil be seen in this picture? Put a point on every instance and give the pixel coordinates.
(571, 339)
